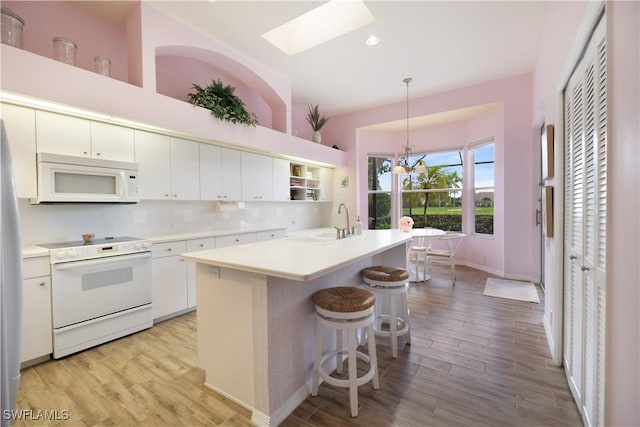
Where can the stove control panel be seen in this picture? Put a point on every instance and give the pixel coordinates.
(98, 251)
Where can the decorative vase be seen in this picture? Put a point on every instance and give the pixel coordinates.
(317, 137)
(406, 228)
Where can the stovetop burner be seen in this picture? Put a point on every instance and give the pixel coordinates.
(93, 242)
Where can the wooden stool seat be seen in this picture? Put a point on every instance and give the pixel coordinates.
(344, 309)
(391, 284)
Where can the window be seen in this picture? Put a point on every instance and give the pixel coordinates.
(434, 198)
(379, 191)
(483, 155)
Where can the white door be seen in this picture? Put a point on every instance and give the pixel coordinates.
(585, 230)
(153, 155)
(185, 169)
(112, 142)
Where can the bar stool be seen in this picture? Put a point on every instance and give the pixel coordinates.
(345, 309)
(391, 284)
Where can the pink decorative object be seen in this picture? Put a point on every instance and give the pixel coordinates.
(406, 223)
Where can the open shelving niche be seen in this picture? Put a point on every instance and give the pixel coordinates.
(304, 182)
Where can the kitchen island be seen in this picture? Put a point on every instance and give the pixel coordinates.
(256, 319)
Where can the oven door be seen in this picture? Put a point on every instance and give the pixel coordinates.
(83, 290)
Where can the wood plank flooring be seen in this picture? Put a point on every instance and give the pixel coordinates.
(473, 361)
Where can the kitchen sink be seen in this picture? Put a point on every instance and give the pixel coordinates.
(321, 239)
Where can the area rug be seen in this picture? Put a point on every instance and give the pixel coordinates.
(510, 289)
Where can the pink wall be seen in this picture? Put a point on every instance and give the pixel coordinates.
(45, 20)
(176, 75)
(516, 95)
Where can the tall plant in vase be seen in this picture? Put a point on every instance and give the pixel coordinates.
(316, 121)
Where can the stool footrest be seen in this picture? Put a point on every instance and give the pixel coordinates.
(326, 376)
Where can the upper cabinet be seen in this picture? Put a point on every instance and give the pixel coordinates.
(185, 169)
(169, 167)
(257, 177)
(280, 180)
(220, 173)
(112, 142)
(19, 123)
(61, 134)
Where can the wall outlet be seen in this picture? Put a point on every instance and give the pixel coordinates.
(213, 271)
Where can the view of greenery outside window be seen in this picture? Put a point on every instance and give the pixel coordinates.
(434, 199)
(379, 191)
(484, 178)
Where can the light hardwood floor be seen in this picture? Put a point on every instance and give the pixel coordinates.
(473, 361)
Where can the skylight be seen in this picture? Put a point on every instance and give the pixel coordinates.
(332, 19)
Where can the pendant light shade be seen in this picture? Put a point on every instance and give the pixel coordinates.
(403, 168)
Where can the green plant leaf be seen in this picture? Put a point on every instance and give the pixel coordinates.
(222, 103)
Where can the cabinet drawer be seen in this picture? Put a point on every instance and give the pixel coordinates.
(201, 244)
(160, 250)
(272, 234)
(235, 239)
(36, 267)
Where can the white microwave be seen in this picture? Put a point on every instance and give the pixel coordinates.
(70, 179)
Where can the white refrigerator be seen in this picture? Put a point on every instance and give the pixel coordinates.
(10, 285)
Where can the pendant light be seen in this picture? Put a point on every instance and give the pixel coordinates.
(403, 168)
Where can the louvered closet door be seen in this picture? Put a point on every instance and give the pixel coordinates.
(585, 230)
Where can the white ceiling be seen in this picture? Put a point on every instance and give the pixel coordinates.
(443, 45)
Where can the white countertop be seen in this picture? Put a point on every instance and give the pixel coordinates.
(34, 251)
(300, 257)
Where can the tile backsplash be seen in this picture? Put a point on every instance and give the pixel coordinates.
(58, 223)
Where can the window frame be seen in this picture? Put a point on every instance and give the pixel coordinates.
(472, 147)
(392, 188)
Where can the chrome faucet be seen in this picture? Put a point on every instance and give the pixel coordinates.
(348, 232)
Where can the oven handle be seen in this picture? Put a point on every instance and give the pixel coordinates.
(100, 261)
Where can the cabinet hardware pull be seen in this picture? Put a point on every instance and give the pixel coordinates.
(584, 268)
(573, 257)
(42, 283)
(168, 249)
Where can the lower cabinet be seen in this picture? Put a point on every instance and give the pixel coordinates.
(36, 310)
(174, 280)
(169, 274)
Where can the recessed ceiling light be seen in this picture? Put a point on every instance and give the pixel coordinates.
(372, 40)
(332, 19)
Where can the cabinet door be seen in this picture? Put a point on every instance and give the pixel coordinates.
(169, 286)
(235, 239)
(36, 318)
(211, 172)
(280, 180)
(154, 164)
(112, 142)
(231, 174)
(20, 125)
(185, 169)
(326, 184)
(57, 133)
(257, 177)
(196, 245)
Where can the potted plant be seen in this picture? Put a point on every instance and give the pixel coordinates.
(222, 102)
(316, 121)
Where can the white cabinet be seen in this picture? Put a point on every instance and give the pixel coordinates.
(310, 183)
(192, 246)
(20, 125)
(270, 235)
(220, 173)
(169, 279)
(185, 170)
(36, 310)
(168, 167)
(326, 184)
(112, 142)
(257, 177)
(153, 155)
(235, 239)
(57, 133)
(280, 180)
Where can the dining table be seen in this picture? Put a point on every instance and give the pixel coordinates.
(418, 251)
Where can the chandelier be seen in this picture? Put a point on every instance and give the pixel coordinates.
(403, 168)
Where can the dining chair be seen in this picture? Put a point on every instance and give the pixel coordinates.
(445, 256)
